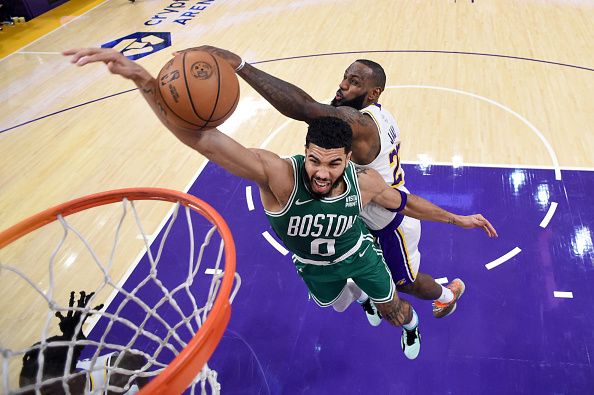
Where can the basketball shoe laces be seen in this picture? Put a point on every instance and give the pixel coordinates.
(369, 308)
(411, 336)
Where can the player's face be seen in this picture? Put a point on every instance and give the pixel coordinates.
(355, 87)
(324, 168)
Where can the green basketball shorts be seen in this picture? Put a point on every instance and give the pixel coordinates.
(366, 267)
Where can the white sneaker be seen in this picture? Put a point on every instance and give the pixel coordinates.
(411, 342)
(373, 316)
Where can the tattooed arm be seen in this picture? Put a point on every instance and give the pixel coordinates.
(121, 65)
(287, 98)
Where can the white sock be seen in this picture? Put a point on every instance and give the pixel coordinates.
(446, 295)
(413, 322)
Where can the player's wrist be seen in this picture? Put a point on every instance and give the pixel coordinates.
(143, 79)
(241, 65)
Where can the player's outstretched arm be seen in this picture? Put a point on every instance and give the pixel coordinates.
(292, 101)
(422, 209)
(374, 189)
(255, 165)
(119, 64)
(287, 98)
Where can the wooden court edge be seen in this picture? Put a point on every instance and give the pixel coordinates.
(13, 38)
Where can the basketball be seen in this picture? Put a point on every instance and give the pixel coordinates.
(197, 90)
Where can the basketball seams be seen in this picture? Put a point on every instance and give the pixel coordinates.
(171, 109)
(216, 103)
(185, 79)
(231, 109)
(223, 99)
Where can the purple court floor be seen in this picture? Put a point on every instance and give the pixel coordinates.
(524, 326)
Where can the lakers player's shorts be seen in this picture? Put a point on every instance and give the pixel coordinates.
(399, 242)
(366, 267)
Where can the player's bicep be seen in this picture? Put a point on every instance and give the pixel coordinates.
(314, 110)
(274, 170)
(227, 153)
(374, 189)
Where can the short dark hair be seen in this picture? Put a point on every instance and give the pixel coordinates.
(378, 73)
(330, 132)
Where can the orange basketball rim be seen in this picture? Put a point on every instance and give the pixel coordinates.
(180, 373)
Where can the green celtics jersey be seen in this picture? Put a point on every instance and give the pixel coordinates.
(320, 231)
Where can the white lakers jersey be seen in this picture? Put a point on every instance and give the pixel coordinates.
(387, 163)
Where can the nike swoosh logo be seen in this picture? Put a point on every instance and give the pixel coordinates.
(299, 202)
(363, 253)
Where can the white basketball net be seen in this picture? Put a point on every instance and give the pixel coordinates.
(124, 349)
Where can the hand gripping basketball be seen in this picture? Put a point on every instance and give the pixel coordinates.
(197, 90)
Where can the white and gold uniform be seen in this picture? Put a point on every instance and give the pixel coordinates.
(97, 378)
(397, 235)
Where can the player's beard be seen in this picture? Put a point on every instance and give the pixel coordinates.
(318, 196)
(357, 102)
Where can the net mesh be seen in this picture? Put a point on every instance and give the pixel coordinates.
(123, 328)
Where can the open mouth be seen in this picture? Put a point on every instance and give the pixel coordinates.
(320, 186)
(338, 96)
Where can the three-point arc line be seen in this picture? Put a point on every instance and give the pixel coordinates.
(547, 218)
(275, 243)
(248, 198)
(503, 258)
(543, 224)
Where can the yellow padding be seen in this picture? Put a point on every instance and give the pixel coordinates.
(13, 38)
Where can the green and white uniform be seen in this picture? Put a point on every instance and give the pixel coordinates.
(329, 241)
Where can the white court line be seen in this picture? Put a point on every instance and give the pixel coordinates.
(509, 110)
(274, 243)
(563, 294)
(213, 271)
(276, 131)
(442, 280)
(504, 258)
(248, 197)
(550, 213)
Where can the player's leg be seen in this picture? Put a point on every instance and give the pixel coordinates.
(375, 279)
(400, 245)
(331, 286)
(131, 362)
(325, 287)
